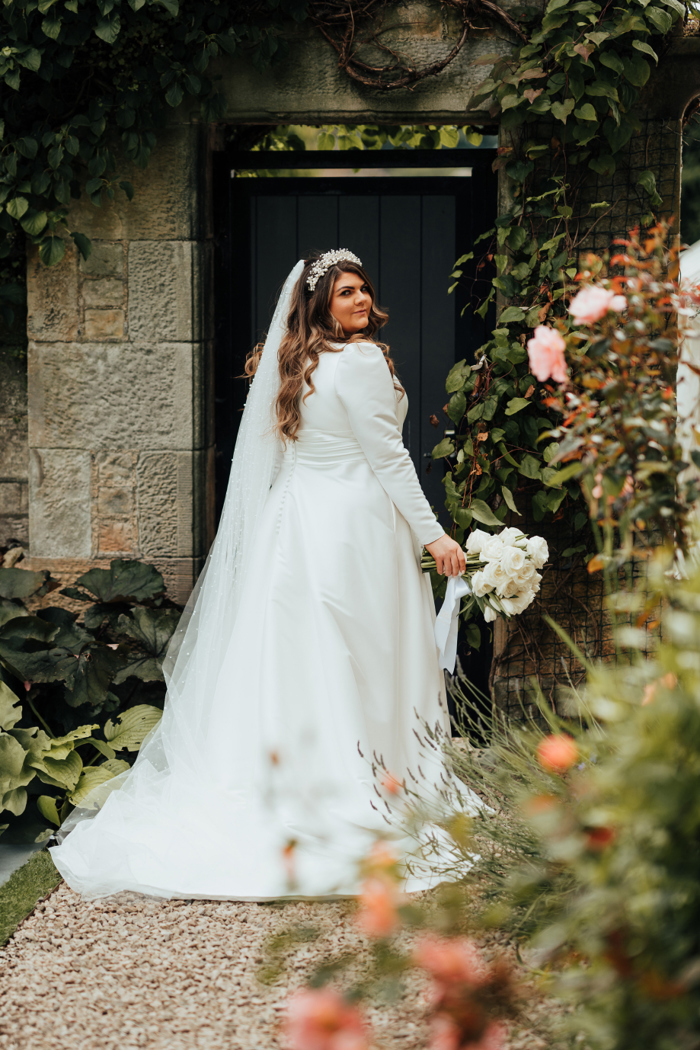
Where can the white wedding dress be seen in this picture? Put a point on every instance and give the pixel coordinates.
(332, 659)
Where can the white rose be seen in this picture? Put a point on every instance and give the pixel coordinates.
(476, 541)
(489, 614)
(521, 603)
(494, 574)
(509, 588)
(511, 536)
(480, 584)
(538, 550)
(492, 549)
(513, 561)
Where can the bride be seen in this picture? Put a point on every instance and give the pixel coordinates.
(307, 646)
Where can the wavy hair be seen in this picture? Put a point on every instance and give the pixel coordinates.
(311, 331)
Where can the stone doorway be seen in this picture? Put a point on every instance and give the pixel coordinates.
(408, 232)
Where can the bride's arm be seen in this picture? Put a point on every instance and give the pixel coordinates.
(366, 389)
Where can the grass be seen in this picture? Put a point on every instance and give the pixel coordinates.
(26, 886)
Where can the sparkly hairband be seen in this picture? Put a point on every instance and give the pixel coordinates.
(326, 261)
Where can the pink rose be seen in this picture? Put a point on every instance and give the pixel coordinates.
(322, 1019)
(546, 353)
(592, 303)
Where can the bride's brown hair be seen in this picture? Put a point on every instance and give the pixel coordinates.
(311, 329)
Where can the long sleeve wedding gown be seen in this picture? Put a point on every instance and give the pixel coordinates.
(334, 649)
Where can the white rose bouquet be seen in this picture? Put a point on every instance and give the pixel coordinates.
(501, 570)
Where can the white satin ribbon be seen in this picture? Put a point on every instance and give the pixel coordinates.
(447, 622)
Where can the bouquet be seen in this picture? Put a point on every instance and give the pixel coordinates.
(501, 571)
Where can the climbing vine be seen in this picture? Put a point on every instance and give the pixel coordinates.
(566, 100)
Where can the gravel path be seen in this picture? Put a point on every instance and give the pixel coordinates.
(181, 975)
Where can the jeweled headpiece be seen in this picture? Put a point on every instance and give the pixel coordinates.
(327, 260)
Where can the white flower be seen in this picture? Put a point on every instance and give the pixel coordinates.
(492, 548)
(511, 536)
(476, 540)
(494, 575)
(480, 584)
(513, 561)
(490, 614)
(538, 550)
(514, 606)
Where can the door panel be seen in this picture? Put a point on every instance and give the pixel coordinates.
(408, 232)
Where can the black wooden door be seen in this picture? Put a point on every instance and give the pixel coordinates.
(408, 231)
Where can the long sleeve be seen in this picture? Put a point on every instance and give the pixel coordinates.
(366, 390)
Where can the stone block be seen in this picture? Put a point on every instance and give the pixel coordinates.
(171, 503)
(100, 294)
(59, 508)
(106, 259)
(104, 324)
(10, 497)
(161, 290)
(14, 448)
(116, 539)
(115, 502)
(111, 396)
(168, 194)
(52, 297)
(13, 387)
(14, 528)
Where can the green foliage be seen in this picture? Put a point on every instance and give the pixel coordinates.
(567, 96)
(76, 677)
(80, 76)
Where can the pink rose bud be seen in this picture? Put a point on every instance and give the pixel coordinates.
(546, 353)
(592, 303)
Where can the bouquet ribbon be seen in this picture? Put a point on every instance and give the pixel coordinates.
(447, 622)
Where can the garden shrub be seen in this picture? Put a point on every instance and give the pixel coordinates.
(70, 683)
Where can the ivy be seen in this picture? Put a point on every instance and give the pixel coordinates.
(567, 99)
(80, 77)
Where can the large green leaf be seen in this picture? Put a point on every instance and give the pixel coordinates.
(483, 513)
(21, 583)
(92, 676)
(47, 807)
(152, 629)
(123, 581)
(128, 733)
(8, 610)
(93, 776)
(43, 665)
(62, 772)
(27, 633)
(14, 801)
(12, 756)
(10, 708)
(68, 635)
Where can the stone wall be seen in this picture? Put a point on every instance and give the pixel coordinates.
(120, 436)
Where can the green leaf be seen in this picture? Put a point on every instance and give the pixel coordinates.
(52, 250)
(132, 726)
(516, 404)
(511, 314)
(83, 244)
(509, 500)
(59, 772)
(457, 406)
(92, 676)
(17, 207)
(443, 448)
(571, 470)
(611, 60)
(152, 629)
(14, 801)
(174, 95)
(661, 19)
(530, 467)
(27, 147)
(646, 48)
(34, 222)
(473, 635)
(128, 189)
(483, 513)
(46, 805)
(10, 707)
(108, 29)
(31, 59)
(21, 583)
(94, 776)
(125, 580)
(586, 112)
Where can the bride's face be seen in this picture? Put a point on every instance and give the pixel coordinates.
(351, 302)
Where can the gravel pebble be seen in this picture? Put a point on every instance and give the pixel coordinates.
(132, 972)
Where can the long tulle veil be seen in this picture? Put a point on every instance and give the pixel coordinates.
(198, 647)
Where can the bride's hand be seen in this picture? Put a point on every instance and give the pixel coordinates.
(449, 556)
